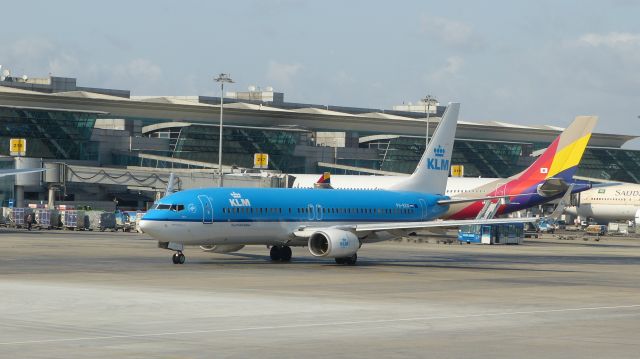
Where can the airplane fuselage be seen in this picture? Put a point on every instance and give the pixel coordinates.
(218, 216)
(614, 203)
(458, 187)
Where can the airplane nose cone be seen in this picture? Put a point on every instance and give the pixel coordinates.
(145, 226)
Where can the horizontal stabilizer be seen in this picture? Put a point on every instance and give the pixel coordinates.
(445, 202)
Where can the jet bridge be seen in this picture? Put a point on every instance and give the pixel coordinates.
(155, 179)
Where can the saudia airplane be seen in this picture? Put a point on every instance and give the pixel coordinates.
(546, 179)
(332, 223)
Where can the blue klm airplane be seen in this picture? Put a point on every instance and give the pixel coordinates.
(332, 223)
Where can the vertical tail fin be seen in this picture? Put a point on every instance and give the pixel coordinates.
(170, 183)
(324, 181)
(561, 158)
(430, 176)
(325, 178)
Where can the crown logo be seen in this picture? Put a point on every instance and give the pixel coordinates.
(439, 151)
(235, 195)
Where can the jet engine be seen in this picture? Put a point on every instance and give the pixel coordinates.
(222, 248)
(333, 243)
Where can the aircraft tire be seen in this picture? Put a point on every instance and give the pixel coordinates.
(181, 258)
(275, 253)
(350, 261)
(285, 254)
(174, 258)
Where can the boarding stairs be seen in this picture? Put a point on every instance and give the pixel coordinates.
(491, 207)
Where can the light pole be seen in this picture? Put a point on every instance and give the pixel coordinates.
(427, 100)
(222, 78)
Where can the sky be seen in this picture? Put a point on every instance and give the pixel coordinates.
(524, 62)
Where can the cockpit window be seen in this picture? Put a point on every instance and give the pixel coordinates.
(171, 207)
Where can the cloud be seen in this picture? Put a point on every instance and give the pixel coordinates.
(342, 78)
(139, 70)
(612, 39)
(282, 74)
(40, 56)
(32, 55)
(449, 32)
(450, 69)
(63, 64)
(30, 48)
(606, 63)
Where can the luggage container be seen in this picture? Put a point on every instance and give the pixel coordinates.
(46, 218)
(73, 219)
(107, 221)
(615, 228)
(100, 220)
(122, 221)
(18, 217)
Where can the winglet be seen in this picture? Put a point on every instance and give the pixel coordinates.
(430, 176)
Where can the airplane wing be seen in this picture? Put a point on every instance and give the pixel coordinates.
(410, 226)
(10, 172)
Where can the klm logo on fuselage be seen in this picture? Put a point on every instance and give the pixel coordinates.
(438, 163)
(238, 201)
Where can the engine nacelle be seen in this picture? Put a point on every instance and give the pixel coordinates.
(333, 243)
(222, 248)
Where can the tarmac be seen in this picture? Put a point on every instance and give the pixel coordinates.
(116, 295)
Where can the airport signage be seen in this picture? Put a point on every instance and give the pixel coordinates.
(457, 170)
(18, 147)
(261, 160)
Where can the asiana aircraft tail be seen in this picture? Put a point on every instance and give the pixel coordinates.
(331, 223)
(546, 179)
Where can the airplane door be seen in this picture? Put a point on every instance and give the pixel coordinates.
(311, 211)
(575, 199)
(423, 207)
(501, 189)
(207, 208)
(319, 212)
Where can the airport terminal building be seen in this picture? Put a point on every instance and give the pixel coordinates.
(124, 145)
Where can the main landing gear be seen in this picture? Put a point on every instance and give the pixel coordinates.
(348, 260)
(280, 253)
(178, 258)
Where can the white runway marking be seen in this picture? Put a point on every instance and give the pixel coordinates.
(312, 325)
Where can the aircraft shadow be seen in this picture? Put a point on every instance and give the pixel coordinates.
(247, 258)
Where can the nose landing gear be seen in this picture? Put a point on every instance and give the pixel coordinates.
(178, 258)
